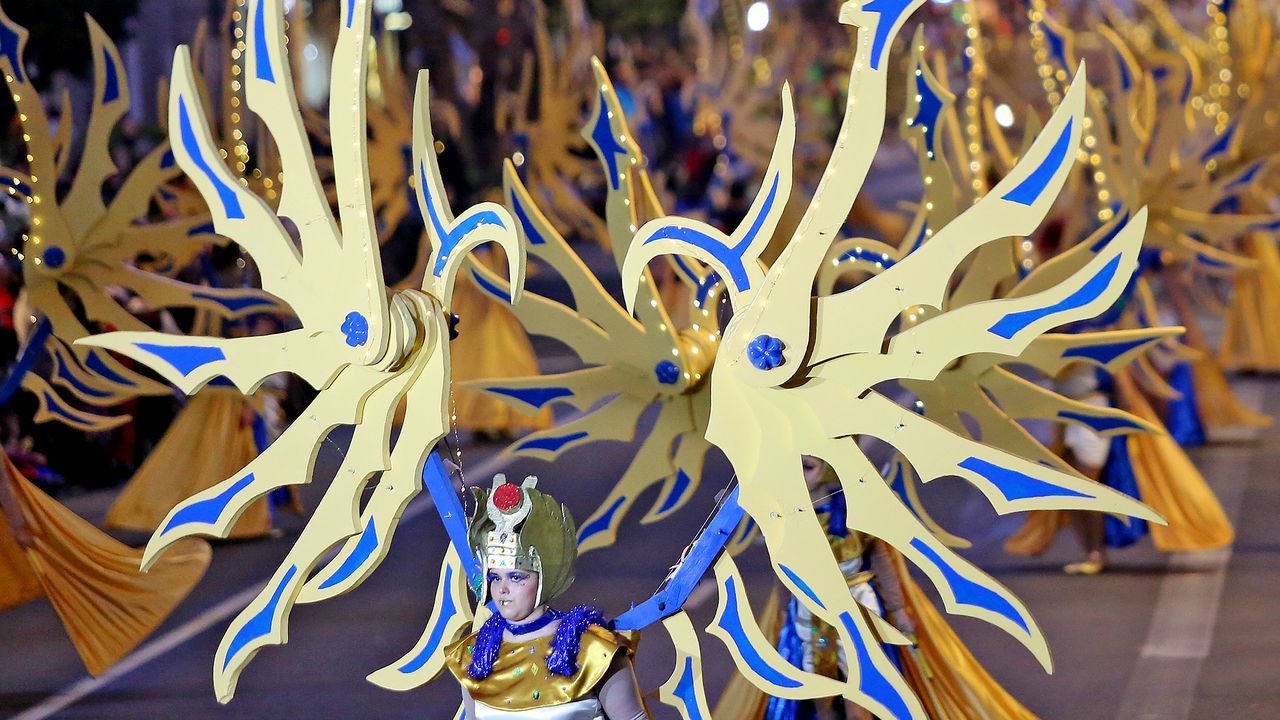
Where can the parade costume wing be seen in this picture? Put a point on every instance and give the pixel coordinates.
(365, 350)
(795, 376)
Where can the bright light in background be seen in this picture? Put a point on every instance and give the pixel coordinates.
(1004, 115)
(386, 7)
(758, 16)
(288, 6)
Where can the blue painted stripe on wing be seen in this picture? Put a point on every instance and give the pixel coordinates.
(679, 487)
(56, 406)
(1110, 234)
(522, 215)
(1099, 424)
(1015, 322)
(859, 253)
(9, 41)
(551, 444)
(802, 586)
(261, 55)
(687, 691)
(1033, 185)
(890, 13)
(731, 622)
(968, 592)
(1104, 353)
(187, 135)
(1016, 485)
(96, 364)
(236, 303)
(609, 146)
(351, 12)
(260, 624)
(447, 610)
(1220, 145)
(365, 546)
(536, 397)
(111, 83)
(871, 681)
(186, 359)
(450, 238)
(602, 523)
(64, 371)
(207, 511)
(490, 287)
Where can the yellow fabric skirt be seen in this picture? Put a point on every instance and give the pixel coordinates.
(208, 442)
(1251, 340)
(1172, 485)
(106, 604)
(948, 679)
(1038, 530)
(491, 344)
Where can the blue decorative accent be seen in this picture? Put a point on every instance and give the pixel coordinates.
(522, 215)
(1126, 79)
(871, 681)
(765, 352)
(668, 373)
(356, 327)
(64, 372)
(537, 397)
(18, 186)
(899, 482)
(1211, 261)
(1221, 144)
(447, 610)
(968, 592)
(1057, 45)
(610, 148)
(9, 40)
(186, 359)
(187, 134)
(111, 84)
(260, 624)
(802, 585)
(351, 12)
(1016, 485)
(602, 523)
(747, 528)
(1097, 423)
(1015, 322)
(890, 12)
(205, 229)
(928, 109)
(1105, 352)
(98, 366)
(452, 516)
(27, 357)
(490, 287)
(207, 511)
(686, 691)
(920, 236)
(1110, 234)
(1247, 176)
(729, 257)
(1188, 82)
(54, 257)
(449, 239)
(671, 596)
(236, 303)
(679, 486)
(261, 55)
(167, 160)
(364, 548)
(59, 408)
(731, 623)
(1032, 186)
(550, 444)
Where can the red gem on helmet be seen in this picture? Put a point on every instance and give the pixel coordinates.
(506, 497)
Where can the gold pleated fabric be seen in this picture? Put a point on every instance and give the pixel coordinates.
(1251, 340)
(491, 344)
(1218, 405)
(1171, 485)
(18, 582)
(207, 443)
(106, 604)
(947, 678)
(1037, 532)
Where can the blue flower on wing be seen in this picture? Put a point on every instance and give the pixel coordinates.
(765, 352)
(356, 328)
(668, 372)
